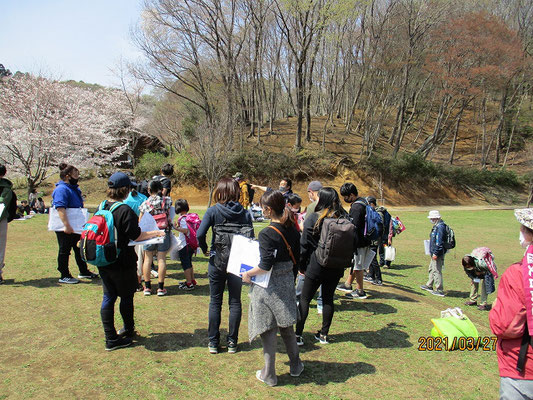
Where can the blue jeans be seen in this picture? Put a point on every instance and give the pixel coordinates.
(217, 284)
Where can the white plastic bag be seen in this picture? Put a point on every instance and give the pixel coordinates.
(390, 253)
(176, 244)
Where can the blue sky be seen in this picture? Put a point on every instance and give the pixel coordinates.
(68, 39)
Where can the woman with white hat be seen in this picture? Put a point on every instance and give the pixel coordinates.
(511, 318)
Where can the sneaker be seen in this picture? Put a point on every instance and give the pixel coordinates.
(213, 348)
(259, 378)
(357, 294)
(69, 279)
(367, 279)
(161, 292)
(2, 280)
(470, 303)
(186, 286)
(377, 283)
(299, 370)
(154, 273)
(88, 275)
(484, 307)
(343, 287)
(323, 339)
(319, 308)
(299, 340)
(437, 293)
(147, 292)
(140, 288)
(232, 347)
(425, 287)
(194, 282)
(117, 343)
(129, 333)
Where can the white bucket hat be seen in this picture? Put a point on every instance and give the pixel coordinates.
(525, 216)
(434, 214)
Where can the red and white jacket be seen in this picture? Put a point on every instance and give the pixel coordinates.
(508, 320)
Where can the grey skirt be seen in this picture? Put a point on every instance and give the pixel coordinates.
(274, 306)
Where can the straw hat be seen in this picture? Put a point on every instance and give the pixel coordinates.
(525, 216)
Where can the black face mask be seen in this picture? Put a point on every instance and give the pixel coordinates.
(73, 181)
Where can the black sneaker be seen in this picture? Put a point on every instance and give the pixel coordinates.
(425, 287)
(129, 333)
(2, 280)
(213, 348)
(377, 283)
(117, 343)
(343, 287)
(367, 278)
(357, 294)
(232, 347)
(323, 339)
(88, 275)
(69, 279)
(299, 340)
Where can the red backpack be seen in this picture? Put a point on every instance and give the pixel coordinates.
(193, 223)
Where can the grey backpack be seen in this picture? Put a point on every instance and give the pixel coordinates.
(336, 245)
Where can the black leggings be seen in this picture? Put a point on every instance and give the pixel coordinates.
(329, 283)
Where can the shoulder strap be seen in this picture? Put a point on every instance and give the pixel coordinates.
(286, 244)
(114, 206)
(526, 342)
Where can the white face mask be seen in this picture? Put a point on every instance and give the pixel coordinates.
(522, 240)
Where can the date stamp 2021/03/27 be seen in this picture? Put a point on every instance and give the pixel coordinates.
(481, 343)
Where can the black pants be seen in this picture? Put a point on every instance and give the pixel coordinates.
(382, 261)
(217, 284)
(66, 243)
(374, 271)
(329, 283)
(117, 281)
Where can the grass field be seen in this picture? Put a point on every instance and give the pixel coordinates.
(53, 346)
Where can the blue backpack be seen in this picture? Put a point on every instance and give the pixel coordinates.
(373, 223)
(98, 239)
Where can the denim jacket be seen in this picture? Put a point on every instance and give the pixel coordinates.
(436, 239)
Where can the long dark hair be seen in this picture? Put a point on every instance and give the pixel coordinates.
(227, 190)
(275, 200)
(328, 206)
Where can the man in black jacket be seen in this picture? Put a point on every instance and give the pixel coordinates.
(357, 214)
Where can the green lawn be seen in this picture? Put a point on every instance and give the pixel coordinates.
(53, 346)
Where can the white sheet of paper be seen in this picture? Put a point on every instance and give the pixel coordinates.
(426, 247)
(77, 217)
(147, 223)
(244, 255)
(156, 240)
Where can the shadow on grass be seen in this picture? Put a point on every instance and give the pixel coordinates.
(323, 373)
(408, 289)
(177, 341)
(402, 267)
(371, 307)
(457, 294)
(51, 282)
(387, 273)
(388, 337)
(390, 296)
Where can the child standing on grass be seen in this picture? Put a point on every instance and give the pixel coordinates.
(187, 225)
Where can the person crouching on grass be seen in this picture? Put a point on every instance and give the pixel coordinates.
(120, 278)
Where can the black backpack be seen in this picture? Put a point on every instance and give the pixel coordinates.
(223, 238)
(336, 245)
(449, 241)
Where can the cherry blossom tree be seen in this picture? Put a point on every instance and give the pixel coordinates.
(44, 122)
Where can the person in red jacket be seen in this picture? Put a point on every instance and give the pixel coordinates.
(511, 319)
